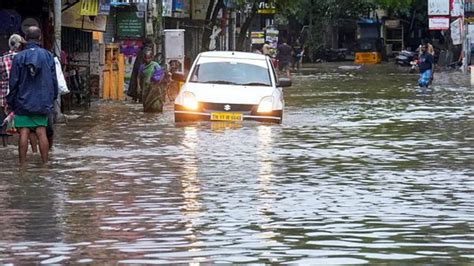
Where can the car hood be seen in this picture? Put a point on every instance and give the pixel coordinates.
(216, 93)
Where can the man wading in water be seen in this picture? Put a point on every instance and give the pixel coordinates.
(33, 90)
(425, 65)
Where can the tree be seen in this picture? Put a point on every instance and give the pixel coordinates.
(320, 15)
(211, 20)
(249, 6)
(393, 5)
(252, 6)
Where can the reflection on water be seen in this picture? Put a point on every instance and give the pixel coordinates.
(363, 170)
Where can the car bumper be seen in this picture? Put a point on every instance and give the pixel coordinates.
(181, 115)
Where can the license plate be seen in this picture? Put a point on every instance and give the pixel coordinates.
(226, 117)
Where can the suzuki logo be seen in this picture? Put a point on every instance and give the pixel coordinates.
(227, 107)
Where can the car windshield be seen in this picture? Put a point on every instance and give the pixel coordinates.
(234, 73)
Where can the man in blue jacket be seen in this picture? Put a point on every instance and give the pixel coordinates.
(33, 89)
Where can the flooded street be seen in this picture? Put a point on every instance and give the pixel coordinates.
(362, 170)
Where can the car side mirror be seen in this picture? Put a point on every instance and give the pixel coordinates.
(284, 82)
(176, 76)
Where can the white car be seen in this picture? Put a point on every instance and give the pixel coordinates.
(230, 86)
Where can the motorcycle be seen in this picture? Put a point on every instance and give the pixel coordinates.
(406, 58)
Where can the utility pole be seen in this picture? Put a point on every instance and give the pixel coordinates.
(230, 24)
(58, 116)
(57, 27)
(232, 17)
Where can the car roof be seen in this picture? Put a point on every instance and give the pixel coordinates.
(233, 54)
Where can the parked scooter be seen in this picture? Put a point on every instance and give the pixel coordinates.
(406, 58)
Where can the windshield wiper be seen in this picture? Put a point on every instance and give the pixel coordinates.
(256, 84)
(220, 82)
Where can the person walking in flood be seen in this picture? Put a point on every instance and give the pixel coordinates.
(134, 86)
(33, 90)
(15, 42)
(149, 77)
(284, 56)
(425, 64)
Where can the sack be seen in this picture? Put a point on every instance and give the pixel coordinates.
(157, 74)
(62, 86)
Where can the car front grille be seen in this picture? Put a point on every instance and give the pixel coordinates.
(227, 107)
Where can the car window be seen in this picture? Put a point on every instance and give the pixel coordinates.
(235, 73)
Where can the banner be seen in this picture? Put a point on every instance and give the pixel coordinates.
(456, 31)
(438, 7)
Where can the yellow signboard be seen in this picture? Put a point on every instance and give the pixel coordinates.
(266, 7)
(89, 7)
(71, 17)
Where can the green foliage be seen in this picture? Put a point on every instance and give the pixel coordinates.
(319, 14)
(393, 4)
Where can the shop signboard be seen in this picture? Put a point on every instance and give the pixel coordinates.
(272, 37)
(89, 7)
(266, 7)
(439, 23)
(181, 8)
(199, 9)
(167, 6)
(257, 37)
(456, 31)
(104, 7)
(130, 24)
(438, 7)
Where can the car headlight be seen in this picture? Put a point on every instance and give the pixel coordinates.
(266, 105)
(189, 100)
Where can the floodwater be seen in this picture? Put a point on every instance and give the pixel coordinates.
(362, 170)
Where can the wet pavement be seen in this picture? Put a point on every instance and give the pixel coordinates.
(362, 170)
